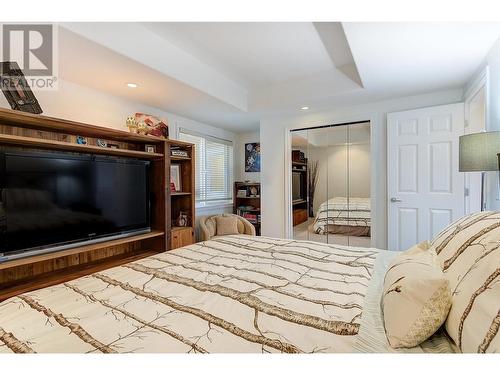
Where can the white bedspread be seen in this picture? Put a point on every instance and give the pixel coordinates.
(343, 211)
(231, 294)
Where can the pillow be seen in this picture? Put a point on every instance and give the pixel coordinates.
(416, 298)
(226, 225)
(469, 250)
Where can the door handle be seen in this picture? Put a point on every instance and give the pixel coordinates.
(395, 200)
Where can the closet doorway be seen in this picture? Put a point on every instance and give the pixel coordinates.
(330, 184)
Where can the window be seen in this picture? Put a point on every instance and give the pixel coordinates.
(214, 167)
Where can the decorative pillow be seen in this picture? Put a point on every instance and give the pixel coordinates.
(226, 225)
(416, 298)
(469, 250)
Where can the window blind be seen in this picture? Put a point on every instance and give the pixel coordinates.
(213, 165)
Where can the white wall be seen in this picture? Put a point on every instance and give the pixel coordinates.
(239, 157)
(272, 133)
(75, 102)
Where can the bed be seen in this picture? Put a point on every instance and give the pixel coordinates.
(230, 294)
(341, 215)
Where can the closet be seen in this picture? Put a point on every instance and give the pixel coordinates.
(330, 192)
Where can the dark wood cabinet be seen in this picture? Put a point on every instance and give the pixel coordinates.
(247, 202)
(299, 216)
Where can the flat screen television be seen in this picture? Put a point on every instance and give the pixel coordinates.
(298, 192)
(54, 200)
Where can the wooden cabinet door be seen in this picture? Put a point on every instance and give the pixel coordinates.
(182, 237)
(176, 242)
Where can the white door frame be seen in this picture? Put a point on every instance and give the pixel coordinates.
(481, 81)
(373, 170)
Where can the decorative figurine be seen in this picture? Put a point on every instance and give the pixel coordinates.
(81, 140)
(142, 128)
(182, 220)
(102, 143)
(132, 124)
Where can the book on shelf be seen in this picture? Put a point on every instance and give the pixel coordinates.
(252, 218)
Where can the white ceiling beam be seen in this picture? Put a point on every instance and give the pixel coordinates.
(333, 37)
(139, 43)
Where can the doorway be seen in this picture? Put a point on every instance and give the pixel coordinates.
(330, 184)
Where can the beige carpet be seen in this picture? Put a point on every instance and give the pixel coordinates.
(305, 231)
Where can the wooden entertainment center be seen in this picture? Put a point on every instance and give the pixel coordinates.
(25, 130)
(300, 206)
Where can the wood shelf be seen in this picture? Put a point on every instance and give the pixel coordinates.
(18, 118)
(180, 193)
(248, 183)
(58, 145)
(180, 228)
(78, 250)
(179, 158)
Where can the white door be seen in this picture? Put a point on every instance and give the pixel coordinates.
(425, 188)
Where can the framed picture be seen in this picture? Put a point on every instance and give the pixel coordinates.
(16, 89)
(151, 149)
(175, 176)
(183, 219)
(252, 157)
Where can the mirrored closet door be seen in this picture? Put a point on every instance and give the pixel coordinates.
(330, 192)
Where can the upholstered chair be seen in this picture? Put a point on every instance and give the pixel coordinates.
(233, 224)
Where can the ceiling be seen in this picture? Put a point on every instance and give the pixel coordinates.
(232, 74)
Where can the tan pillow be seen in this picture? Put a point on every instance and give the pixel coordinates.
(470, 253)
(416, 298)
(226, 225)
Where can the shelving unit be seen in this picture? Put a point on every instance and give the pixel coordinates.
(300, 206)
(29, 131)
(253, 201)
(182, 201)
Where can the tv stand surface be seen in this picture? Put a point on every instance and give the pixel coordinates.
(77, 250)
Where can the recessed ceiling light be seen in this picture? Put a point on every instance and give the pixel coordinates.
(132, 85)
(304, 108)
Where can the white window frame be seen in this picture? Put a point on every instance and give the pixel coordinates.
(229, 175)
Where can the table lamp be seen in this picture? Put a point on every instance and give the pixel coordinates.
(480, 152)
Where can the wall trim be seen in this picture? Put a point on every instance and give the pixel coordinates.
(482, 79)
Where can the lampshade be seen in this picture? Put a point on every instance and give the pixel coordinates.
(478, 152)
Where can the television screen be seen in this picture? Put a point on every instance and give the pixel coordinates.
(52, 199)
(297, 193)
